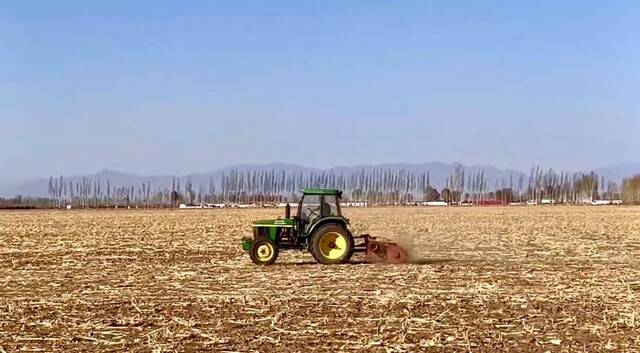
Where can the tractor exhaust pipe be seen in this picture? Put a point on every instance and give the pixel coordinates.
(287, 211)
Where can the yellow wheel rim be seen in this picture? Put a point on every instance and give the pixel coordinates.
(265, 252)
(333, 245)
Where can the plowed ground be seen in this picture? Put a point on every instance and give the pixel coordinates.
(482, 280)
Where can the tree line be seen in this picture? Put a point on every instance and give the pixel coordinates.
(377, 186)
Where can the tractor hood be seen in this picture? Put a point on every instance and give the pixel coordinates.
(286, 222)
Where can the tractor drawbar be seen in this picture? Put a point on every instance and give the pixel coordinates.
(380, 251)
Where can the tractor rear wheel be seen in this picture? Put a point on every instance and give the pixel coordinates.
(263, 251)
(332, 244)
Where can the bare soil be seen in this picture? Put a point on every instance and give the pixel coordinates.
(482, 280)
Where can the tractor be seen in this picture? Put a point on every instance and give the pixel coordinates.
(320, 228)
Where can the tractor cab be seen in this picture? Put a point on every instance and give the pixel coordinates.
(318, 205)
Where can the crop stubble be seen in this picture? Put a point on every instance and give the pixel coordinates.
(483, 279)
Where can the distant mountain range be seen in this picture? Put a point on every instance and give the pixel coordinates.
(438, 171)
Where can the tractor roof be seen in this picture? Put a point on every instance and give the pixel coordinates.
(322, 192)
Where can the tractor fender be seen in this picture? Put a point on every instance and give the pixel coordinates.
(328, 220)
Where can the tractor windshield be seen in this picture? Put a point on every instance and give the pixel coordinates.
(310, 209)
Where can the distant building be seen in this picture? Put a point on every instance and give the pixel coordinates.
(184, 206)
(435, 203)
(606, 202)
(354, 204)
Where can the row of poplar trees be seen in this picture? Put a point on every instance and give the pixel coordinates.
(376, 186)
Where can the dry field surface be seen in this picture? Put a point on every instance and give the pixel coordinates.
(483, 280)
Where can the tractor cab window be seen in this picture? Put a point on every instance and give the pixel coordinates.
(330, 206)
(310, 208)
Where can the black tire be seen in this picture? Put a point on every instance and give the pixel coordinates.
(317, 244)
(257, 251)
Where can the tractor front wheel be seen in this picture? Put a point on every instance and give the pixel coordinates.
(263, 251)
(332, 244)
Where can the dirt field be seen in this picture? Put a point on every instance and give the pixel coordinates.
(485, 279)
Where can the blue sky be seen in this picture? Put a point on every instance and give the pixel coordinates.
(170, 87)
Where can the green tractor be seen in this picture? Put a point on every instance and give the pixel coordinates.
(320, 228)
